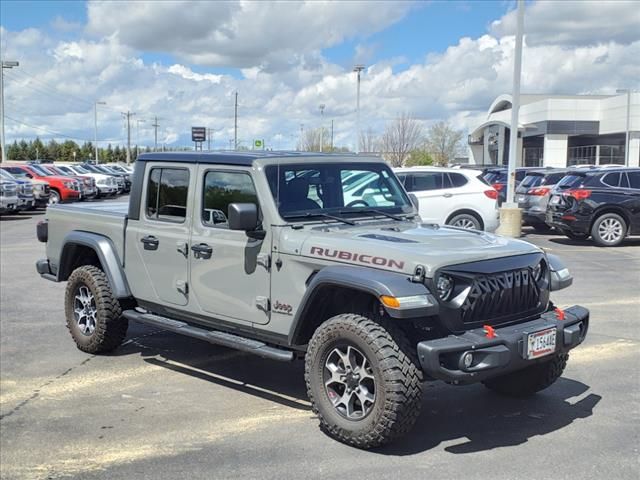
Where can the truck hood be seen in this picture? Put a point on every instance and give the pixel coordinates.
(399, 246)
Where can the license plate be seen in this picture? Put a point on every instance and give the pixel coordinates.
(555, 200)
(541, 343)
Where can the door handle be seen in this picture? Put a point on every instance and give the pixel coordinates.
(448, 195)
(150, 242)
(202, 250)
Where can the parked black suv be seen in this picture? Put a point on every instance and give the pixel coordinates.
(497, 177)
(601, 203)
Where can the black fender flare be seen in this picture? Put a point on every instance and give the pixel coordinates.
(106, 252)
(367, 280)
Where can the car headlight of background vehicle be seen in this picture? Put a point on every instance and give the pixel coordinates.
(444, 286)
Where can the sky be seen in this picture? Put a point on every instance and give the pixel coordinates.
(182, 62)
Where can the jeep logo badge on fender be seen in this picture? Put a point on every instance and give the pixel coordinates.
(357, 257)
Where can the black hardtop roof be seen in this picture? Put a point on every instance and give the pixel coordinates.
(245, 158)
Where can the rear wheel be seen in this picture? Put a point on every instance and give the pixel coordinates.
(363, 381)
(94, 317)
(530, 380)
(465, 220)
(609, 230)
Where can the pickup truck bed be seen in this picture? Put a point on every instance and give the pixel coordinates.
(105, 219)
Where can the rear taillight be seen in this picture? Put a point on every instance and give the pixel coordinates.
(538, 191)
(578, 194)
(492, 194)
(498, 186)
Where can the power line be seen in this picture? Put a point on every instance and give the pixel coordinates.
(57, 134)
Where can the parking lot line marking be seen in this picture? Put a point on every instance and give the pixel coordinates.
(604, 351)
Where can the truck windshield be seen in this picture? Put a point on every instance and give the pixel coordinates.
(303, 191)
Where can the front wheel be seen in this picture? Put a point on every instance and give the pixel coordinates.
(54, 197)
(363, 381)
(94, 316)
(530, 380)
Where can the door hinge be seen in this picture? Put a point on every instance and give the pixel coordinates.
(264, 259)
(262, 303)
(182, 286)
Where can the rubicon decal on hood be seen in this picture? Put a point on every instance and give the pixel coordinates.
(357, 257)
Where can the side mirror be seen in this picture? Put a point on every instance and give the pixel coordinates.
(415, 201)
(243, 216)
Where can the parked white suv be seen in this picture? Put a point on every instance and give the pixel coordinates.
(450, 196)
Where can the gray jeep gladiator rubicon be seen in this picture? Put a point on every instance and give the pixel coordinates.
(321, 257)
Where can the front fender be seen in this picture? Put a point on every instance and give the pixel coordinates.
(106, 252)
(367, 280)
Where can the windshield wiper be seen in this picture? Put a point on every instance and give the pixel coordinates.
(325, 215)
(378, 212)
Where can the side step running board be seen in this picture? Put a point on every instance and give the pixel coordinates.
(212, 336)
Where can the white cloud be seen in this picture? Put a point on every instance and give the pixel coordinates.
(58, 81)
(575, 23)
(239, 34)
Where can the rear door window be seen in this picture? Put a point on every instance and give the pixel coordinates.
(426, 181)
(167, 191)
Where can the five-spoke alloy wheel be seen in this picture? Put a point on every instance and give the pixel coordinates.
(363, 380)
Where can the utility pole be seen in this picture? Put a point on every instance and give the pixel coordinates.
(155, 134)
(128, 116)
(321, 126)
(95, 125)
(358, 69)
(209, 132)
(301, 136)
(235, 125)
(3, 64)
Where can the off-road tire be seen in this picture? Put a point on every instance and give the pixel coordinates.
(530, 380)
(111, 326)
(617, 236)
(398, 380)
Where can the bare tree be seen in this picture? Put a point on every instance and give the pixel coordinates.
(444, 142)
(401, 136)
(369, 141)
(310, 140)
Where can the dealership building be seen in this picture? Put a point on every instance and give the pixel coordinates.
(561, 131)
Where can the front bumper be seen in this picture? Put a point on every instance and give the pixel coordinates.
(442, 359)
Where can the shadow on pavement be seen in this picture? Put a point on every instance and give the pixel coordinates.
(628, 242)
(472, 417)
(12, 218)
(271, 380)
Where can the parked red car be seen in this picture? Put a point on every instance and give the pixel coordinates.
(63, 189)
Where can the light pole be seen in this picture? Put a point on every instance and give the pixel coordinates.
(510, 214)
(321, 126)
(5, 64)
(358, 69)
(95, 126)
(626, 140)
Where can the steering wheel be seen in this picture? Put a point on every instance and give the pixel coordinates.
(356, 202)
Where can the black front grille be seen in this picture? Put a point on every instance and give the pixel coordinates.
(496, 296)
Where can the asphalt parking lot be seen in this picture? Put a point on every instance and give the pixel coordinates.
(165, 406)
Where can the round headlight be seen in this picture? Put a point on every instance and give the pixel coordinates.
(444, 285)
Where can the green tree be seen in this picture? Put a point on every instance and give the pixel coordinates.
(53, 150)
(13, 151)
(23, 153)
(37, 150)
(419, 157)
